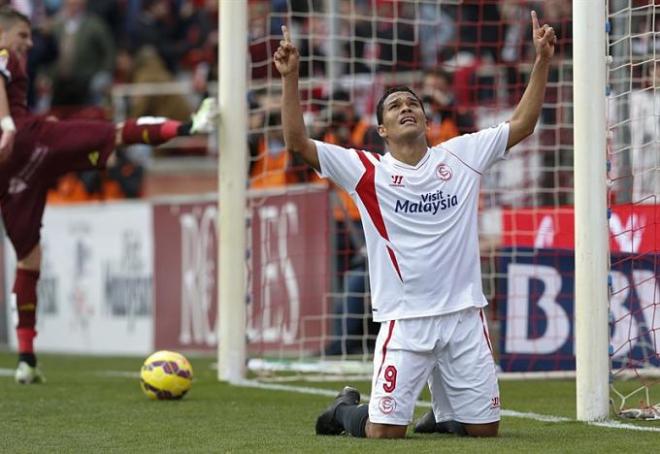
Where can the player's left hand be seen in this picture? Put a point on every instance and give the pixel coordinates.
(544, 38)
(6, 145)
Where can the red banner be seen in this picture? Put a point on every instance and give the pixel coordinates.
(288, 272)
(633, 228)
(185, 273)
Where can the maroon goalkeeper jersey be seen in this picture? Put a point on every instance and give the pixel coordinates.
(13, 70)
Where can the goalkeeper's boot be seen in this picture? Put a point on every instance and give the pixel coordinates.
(326, 423)
(27, 375)
(204, 120)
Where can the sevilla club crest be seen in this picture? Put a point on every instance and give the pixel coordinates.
(443, 171)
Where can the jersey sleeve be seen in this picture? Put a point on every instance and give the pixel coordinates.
(6, 64)
(481, 149)
(341, 165)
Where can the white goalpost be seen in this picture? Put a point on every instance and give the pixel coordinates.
(591, 233)
(232, 172)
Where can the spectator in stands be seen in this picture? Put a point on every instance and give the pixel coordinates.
(112, 13)
(440, 106)
(261, 45)
(438, 86)
(44, 52)
(436, 32)
(347, 127)
(148, 67)
(272, 166)
(158, 26)
(82, 74)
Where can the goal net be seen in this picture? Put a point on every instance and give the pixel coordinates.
(634, 175)
(469, 62)
(309, 302)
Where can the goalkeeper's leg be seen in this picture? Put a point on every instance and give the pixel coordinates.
(25, 293)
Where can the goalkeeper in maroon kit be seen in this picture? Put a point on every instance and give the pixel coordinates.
(35, 151)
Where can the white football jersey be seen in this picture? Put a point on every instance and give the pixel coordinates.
(420, 222)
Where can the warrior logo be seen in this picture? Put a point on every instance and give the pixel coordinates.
(397, 180)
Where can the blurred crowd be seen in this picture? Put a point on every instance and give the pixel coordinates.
(82, 48)
(461, 57)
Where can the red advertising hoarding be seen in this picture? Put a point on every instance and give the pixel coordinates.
(287, 268)
(633, 228)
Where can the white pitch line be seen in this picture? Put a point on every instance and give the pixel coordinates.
(534, 416)
(106, 373)
(118, 373)
(509, 413)
(611, 424)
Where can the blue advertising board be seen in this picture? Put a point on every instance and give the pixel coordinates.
(535, 303)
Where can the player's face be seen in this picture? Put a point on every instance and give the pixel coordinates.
(18, 38)
(403, 117)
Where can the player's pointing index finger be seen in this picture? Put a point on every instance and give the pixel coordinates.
(285, 33)
(535, 21)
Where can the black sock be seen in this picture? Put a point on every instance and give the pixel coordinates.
(184, 129)
(28, 358)
(451, 427)
(354, 419)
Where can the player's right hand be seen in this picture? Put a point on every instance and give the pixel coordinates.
(286, 56)
(6, 145)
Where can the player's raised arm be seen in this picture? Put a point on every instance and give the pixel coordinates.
(527, 112)
(295, 135)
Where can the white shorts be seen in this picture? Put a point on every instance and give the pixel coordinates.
(452, 352)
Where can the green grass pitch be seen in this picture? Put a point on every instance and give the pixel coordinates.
(85, 407)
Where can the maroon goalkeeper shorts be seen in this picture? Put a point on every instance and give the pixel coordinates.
(44, 151)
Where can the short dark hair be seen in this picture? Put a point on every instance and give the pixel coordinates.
(389, 91)
(9, 16)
